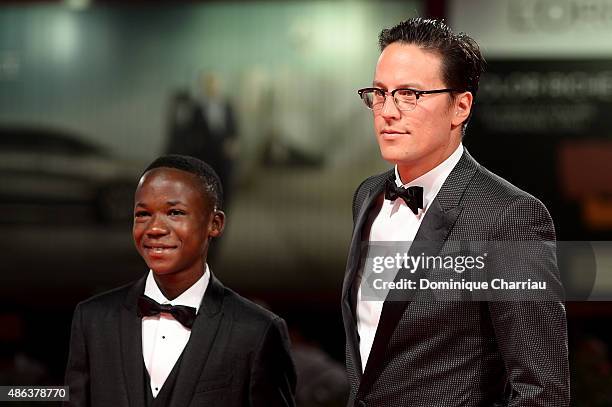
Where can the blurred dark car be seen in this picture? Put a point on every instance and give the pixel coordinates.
(49, 175)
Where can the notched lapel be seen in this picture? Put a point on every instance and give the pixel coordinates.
(200, 343)
(430, 238)
(356, 243)
(131, 345)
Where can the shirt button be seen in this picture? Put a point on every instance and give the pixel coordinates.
(163, 337)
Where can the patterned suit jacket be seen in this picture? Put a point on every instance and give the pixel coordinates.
(462, 353)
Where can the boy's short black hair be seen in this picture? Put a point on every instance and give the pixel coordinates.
(211, 183)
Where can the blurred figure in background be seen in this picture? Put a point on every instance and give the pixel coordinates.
(182, 131)
(593, 378)
(216, 125)
(16, 367)
(321, 381)
(204, 126)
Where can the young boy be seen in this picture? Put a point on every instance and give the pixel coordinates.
(177, 337)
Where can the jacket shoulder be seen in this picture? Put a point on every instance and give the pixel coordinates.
(244, 310)
(495, 201)
(105, 301)
(367, 185)
(490, 188)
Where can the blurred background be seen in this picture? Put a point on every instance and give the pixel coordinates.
(92, 91)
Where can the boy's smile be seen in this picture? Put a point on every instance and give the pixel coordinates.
(173, 223)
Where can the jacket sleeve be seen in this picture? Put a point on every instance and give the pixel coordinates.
(532, 334)
(273, 376)
(77, 370)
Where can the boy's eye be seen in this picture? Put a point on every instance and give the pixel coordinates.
(175, 212)
(140, 214)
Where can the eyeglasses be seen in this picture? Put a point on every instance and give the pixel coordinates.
(405, 99)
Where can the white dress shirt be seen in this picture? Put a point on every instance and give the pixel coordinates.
(397, 223)
(163, 337)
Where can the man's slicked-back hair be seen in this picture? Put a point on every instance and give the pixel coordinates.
(462, 63)
(211, 184)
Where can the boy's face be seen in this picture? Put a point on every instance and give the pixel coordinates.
(173, 222)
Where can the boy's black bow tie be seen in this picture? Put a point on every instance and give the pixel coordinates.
(182, 313)
(413, 196)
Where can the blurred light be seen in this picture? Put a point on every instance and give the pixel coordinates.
(9, 65)
(77, 4)
(331, 32)
(556, 12)
(64, 36)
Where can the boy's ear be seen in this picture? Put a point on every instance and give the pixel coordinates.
(217, 224)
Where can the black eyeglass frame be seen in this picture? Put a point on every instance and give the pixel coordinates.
(417, 93)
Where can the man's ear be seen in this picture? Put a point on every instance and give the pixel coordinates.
(463, 107)
(217, 224)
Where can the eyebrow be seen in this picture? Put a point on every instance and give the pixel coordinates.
(402, 86)
(169, 203)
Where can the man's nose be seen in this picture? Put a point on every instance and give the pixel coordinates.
(157, 227)
(389, 110)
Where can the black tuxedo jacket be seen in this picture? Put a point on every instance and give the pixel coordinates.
(238, 353)
(462, 353)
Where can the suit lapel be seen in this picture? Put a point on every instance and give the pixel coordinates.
(200, 343)
(354, 258)
(131, 345)
(431, 236)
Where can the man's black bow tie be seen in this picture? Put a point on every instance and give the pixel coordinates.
(413, 196)
(183, 314)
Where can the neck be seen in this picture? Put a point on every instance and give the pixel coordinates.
(173, 285)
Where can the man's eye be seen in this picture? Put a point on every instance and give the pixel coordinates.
(176, 212)
(141, 214)
(405, 93)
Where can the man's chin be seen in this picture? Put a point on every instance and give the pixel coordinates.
(395, 158)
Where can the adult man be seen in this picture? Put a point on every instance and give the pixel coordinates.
(418, 352)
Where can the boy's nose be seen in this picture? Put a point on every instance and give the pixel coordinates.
(157, 227)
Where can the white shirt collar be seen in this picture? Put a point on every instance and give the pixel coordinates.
(432, 181)
(191, 297)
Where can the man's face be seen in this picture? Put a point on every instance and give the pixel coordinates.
(173, 222)
(421, 138)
